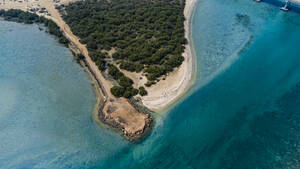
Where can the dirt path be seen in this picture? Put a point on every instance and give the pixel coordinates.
(75, 40)
(116, 112)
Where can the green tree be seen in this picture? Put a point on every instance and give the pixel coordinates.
(117, 91)
(142, 91)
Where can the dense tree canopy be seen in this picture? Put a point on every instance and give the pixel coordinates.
(147, 35)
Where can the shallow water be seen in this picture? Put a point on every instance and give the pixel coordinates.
(46, 104)
(242, 112)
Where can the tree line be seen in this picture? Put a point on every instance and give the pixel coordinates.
(147, 35)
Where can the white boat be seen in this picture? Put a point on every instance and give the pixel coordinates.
(285, 8)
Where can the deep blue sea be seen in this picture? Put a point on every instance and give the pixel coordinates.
(243, 112)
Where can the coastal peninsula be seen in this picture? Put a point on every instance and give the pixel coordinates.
(154, 81)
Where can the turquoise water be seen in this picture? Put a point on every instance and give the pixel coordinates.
(243, 111)
(46, 104)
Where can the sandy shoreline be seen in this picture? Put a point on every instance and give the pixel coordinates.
(165, 92)
(118, 113)
(161, 95)
(177, 83)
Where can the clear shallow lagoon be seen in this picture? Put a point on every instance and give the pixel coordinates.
(242, 112)
(46, 104)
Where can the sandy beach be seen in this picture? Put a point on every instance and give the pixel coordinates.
(165, 92)
(159, 95)
(119, 112)
(116, 112)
